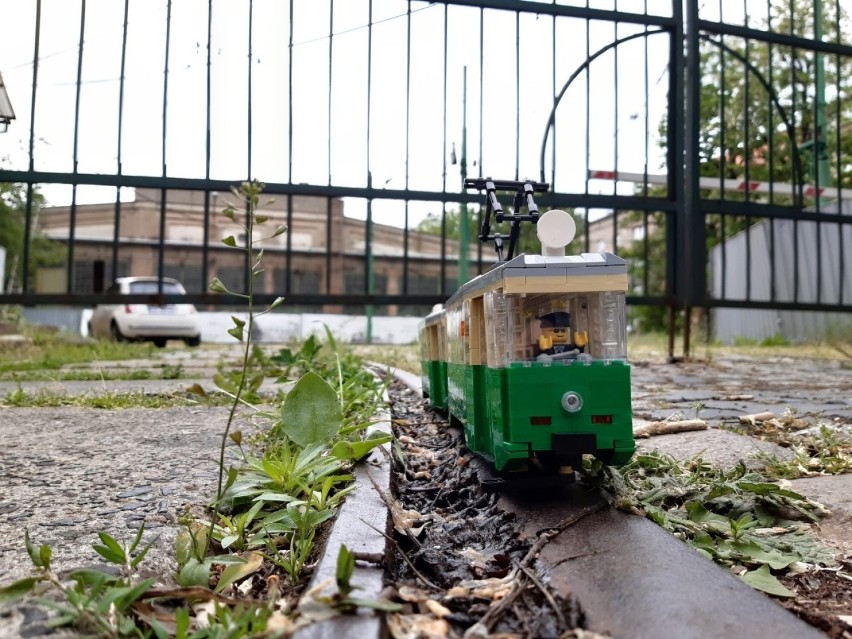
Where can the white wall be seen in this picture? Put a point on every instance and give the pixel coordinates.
(274, 328)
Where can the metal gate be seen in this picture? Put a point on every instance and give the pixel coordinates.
(676, 135)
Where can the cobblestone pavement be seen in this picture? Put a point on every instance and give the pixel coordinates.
(71, 472)
(725, 389)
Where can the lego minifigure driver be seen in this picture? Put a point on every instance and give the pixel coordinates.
(555, 335)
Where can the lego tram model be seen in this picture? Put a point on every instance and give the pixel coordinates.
(530, 358)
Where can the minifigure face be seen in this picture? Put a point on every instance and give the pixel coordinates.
(559, 334)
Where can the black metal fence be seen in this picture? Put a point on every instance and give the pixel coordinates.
(712, 146)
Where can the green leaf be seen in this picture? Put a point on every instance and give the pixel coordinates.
(236, 437)
(229, 212)
(138, 558)
(357, 450)
(233, 473)
(330, 338)
(698, 513)
(261, 219)
(755, 553)
(230, 241)
(236, 332)
(767, 488)
(111, 550)
(92, 577)
(226, 560)
(194, 573)
(762, 579)
(18, 589)
(238, 322)
(228, 540)
(345, 568)
(45, 553)
(278, 301)
(311, 412)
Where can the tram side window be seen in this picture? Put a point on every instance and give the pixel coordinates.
(498, 341)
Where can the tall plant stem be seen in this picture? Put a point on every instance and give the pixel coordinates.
(251, 198)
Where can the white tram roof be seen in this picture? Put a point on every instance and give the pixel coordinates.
(551, 269)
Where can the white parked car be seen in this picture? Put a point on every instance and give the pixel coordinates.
(146, 321)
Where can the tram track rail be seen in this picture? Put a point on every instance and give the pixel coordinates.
(575, 559)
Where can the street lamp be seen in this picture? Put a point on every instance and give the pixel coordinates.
(7, 114)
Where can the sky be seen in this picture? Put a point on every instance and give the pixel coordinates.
(333, 139)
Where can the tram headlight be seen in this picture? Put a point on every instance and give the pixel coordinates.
(572, 402)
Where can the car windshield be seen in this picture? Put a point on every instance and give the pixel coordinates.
(169, 288)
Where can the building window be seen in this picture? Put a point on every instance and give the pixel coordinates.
(306, 282)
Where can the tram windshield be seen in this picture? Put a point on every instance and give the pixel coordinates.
(554, 327)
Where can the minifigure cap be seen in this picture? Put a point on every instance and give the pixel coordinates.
(558, 318)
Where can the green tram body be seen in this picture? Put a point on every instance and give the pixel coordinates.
(526, 412)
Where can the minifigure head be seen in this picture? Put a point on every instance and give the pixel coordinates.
(555, 325)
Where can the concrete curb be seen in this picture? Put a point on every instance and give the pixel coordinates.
(359, 525)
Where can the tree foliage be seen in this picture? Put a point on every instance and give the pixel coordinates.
(747, 130)
(43, 251)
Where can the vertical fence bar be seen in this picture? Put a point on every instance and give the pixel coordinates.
(28, 222)
(517, 95)
(248, 278)
(690, 261)
(773, 284)
(444, 121)
(405, 258)
(72, 222)
(205, 249)
(290, 99)
(647, 140)
(747, 153)
(588, 128)
(116, 225)
(675, 168)
(330, 82)
(837, 159)
(329, 239)
(405, 238)
(368, 245)
(288, 262)
(615, 118)
(553, 95)
(163, 191)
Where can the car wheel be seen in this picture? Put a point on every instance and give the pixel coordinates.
(116, 333)
(193, 341)
(159, 342)
(89, 332)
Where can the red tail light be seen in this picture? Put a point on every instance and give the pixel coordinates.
(128, 308)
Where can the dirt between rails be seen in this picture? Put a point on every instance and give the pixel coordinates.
(457, 550)
(456, 547)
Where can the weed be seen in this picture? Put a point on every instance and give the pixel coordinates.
(817, 448)
(734, 516)
(97, 602)
(108, 400)
(267, 508)
(51, 352)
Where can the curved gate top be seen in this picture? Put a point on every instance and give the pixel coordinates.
(710, 146)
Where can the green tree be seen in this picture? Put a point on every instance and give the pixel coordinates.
(742, 133)
(43, 252)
